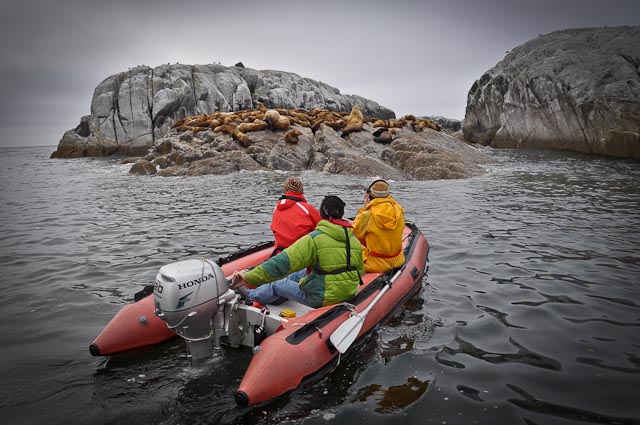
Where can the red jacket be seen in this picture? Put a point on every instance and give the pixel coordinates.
(293, 218)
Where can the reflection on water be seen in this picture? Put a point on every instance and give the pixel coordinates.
(395, 397)
(530, 313)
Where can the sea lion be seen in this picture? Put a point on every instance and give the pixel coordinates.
(382, 135)
(301, 121)
(282, 124)
(195, 129)
(379, 131)
(315, 125)
(230, 118)
(232, 130)
(224, 128)
(242, 138)
(291, 136)
(256, 125)
(300, 117)
(271, 116)
(179, 123)
(213, 123)
(275, 121)
(380, 123)
(425, 123)
(354, 122)
(336, 125)
(396, 123)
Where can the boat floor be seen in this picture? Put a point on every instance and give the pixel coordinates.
(299, 308)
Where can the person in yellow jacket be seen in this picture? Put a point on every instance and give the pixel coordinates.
(379, 226)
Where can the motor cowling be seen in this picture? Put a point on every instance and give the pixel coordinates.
(187, 296)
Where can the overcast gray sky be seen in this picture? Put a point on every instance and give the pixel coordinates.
(418, 57)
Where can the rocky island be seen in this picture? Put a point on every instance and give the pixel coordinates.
(575, 89)
(211, 119)
(321, 140)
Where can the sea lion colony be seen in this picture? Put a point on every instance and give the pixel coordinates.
(238, 124)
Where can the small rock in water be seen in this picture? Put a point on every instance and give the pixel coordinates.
(329, 416)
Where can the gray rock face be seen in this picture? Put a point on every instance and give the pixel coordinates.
(132, 109)
(576, 89)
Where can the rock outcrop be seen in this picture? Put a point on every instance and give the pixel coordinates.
(133, 109)
(576, 89)
(413, 150)
(451, 126)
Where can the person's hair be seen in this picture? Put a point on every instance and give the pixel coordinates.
(332, 206)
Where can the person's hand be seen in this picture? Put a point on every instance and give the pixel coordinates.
(237, 279)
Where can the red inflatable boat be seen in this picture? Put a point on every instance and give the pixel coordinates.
(192, 299)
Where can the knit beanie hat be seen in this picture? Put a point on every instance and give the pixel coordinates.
(379, 189)
(293, 184)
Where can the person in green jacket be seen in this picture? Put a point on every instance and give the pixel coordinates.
(322, 268)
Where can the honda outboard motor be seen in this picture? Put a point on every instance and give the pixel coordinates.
(188, 296)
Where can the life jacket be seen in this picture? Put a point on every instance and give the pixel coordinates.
(348, 267)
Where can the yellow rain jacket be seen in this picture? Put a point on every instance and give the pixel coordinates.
(379, 227)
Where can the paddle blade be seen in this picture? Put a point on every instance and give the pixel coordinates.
(347, 332)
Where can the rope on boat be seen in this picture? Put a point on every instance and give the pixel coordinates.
(350, 307)
(264, 315)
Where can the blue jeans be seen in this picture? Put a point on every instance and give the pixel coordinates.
(287, 288)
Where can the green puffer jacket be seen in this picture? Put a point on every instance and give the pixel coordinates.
(324, 249)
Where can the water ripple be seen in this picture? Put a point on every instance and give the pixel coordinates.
(522, 356)
(600, 363)
(612, 322)
(537, 405)
(533, 289)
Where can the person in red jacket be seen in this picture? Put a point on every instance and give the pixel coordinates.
(293, 216)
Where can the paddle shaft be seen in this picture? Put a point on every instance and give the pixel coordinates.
(386, 287)
(348, 331)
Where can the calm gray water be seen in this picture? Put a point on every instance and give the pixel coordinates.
(530, 313)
